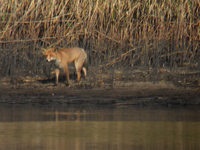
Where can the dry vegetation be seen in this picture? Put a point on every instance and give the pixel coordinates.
(119, 33)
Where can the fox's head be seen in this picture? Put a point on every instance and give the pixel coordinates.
(50, 54)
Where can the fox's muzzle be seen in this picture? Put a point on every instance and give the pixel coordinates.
(48, 60)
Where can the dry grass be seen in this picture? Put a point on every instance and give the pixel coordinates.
(115, 20)
(163, 32)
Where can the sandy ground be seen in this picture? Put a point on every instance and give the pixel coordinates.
(138, 93)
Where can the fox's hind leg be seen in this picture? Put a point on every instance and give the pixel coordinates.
(78, 66)
(84, 71)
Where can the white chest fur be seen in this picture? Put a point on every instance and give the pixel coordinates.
(58, 63)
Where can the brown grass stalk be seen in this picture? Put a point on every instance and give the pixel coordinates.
(118, 25)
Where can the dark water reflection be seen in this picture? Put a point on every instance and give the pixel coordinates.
(28, 127)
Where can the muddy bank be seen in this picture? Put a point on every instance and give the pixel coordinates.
(141, 93)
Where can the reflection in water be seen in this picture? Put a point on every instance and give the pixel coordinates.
(50, 128)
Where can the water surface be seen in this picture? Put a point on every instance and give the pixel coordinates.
(29, 127)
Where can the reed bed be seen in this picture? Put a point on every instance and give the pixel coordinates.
(115, 33)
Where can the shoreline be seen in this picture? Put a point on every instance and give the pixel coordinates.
(141, 94)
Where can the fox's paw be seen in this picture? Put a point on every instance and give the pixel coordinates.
(68, 84)
(55, 84)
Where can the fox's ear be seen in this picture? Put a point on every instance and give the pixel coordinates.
(51, 49)
(55, 49)
(43, 51)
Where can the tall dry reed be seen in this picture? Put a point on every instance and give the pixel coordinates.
(115, 20)
(133, 32)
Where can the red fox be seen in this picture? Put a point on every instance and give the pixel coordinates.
(65, 56)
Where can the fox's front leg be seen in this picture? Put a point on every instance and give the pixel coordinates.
(67, 74)
(57, 72)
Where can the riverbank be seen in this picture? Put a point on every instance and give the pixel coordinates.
(141, 93)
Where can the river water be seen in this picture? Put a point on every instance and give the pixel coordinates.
(37, 127)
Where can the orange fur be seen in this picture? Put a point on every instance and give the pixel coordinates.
(65, 56)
